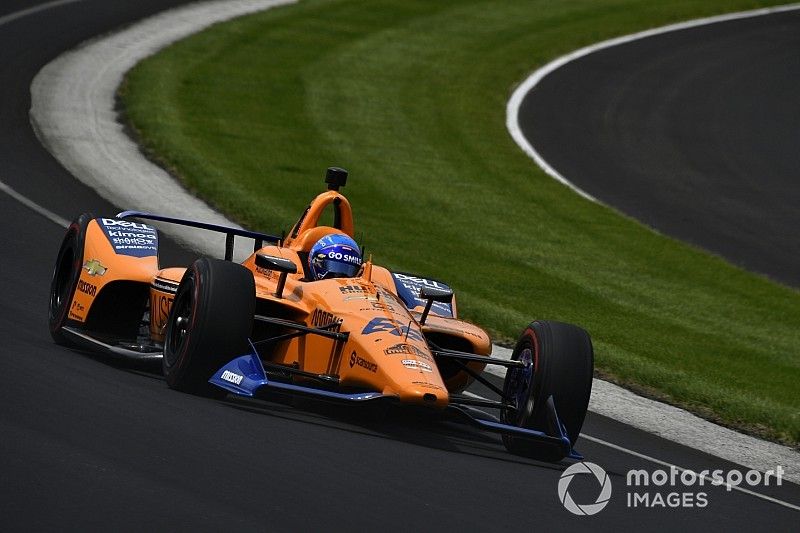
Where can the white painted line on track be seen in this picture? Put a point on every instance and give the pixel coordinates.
(5, 19)
(512, 108)
(677, 425)
(737, 488)
(73, 114)
(652, 459)
(681, 469)
(63, 222)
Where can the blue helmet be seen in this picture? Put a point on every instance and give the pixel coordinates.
(333, 256)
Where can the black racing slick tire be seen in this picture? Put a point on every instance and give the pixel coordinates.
(65, 277)
(562, 366)
(209, 324)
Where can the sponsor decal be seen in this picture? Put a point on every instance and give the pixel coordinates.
(426, 385)
(130, 238)
(391, 297)
(355, 359)
(231, 377)
(415, 282)
(381, 324)
(87, 288)
(413, 364)
(94, 267)
(165, 285)
(368, 298)
(345, 258)
(267, 273)
(408, 288)
(160, 305)
(323, 318)
(380, 305)
(77, 311)
(357, 289)
(404, 348)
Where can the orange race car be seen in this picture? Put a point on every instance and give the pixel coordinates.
(306, 314)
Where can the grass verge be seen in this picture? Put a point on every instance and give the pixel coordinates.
(410, 96)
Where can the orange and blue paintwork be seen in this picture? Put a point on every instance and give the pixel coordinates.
(387, 348)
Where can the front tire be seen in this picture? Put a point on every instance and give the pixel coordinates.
(65, 277)
(209, 323)
(561, 365)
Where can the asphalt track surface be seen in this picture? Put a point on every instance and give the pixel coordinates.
(90, 444)
(694, 132)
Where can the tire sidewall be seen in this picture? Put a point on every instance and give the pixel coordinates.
(523, 414)
(74, 240)
(562, 359)
(221, 302)
(174, 365)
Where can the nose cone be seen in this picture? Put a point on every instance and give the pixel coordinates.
(386, 350)
(424, 393)
(415, 376)
(398, 365)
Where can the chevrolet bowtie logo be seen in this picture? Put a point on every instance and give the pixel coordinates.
(94, 267)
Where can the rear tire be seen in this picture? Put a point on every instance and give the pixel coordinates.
(561, 365)
(209, 324)
(65, 277)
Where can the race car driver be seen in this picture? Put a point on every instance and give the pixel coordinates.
(334, 256)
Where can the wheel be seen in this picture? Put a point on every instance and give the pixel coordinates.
(65, 277)
(559, 363)
(209, 323)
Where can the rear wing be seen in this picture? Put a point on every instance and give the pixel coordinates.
(230, 233)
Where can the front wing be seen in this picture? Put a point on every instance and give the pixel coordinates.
(245, 376)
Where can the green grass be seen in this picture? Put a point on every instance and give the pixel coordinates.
(410, 96)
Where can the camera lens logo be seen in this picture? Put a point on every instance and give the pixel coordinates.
(589, 508)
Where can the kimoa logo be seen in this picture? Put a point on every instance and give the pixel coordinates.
(580, 469)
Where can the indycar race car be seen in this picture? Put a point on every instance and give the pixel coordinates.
(303, 317)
